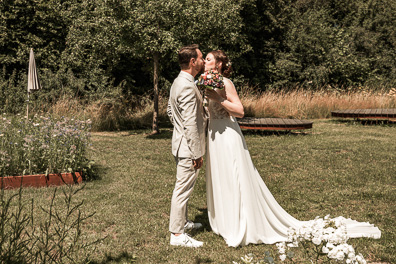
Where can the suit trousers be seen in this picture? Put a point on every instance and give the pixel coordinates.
(186, 177)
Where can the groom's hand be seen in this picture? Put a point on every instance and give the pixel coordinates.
(198, 163)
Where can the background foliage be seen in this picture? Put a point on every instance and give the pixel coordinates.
(104, 49)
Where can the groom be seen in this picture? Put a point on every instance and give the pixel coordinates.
(186, 112)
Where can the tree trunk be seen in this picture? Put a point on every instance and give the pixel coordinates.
(155, 114)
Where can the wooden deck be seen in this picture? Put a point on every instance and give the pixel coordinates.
(273, 123)
(366, 113)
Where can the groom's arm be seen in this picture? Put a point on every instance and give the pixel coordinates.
(170, 113)
(188, 105)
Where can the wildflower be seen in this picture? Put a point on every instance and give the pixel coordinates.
(360, 259)
(282, 257)
(247, 259)
(316, 241)
(340, 256)
(325, 250)
(281, 248)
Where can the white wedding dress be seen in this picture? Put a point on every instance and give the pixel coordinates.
(240, 206)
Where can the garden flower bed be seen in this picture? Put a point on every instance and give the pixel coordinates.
(42, 151)
(40, 180)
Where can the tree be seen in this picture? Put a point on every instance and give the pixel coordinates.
(154, 29)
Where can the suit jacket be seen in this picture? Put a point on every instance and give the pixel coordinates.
(186, 112)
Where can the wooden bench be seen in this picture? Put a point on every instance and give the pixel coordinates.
(366, 113)
(273, 123)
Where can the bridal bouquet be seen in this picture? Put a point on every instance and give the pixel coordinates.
(211, 79)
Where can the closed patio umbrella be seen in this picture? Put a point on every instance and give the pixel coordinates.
(33, 80)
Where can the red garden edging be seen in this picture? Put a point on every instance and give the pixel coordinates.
(40, 180)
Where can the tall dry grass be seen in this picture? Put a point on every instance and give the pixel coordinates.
(306, 104)
(110, 115)
(121, 114)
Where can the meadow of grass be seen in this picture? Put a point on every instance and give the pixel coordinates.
(337, 168)
(136, 113)
(311, 104)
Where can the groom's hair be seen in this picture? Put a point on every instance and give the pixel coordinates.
(186, 54)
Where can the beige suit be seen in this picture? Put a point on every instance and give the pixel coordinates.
(186, 112)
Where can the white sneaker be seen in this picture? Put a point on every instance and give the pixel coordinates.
(185, 241)
(191, 225)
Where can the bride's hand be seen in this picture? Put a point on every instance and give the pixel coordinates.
(213, 95)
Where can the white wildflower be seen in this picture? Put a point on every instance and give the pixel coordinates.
(281, 247)
(247, 259)
(330, 245)
(360, 259)
(340, 255)
(325, 250)
(316, 241)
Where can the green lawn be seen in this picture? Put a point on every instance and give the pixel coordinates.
(337, 168)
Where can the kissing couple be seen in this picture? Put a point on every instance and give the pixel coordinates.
(241, 208)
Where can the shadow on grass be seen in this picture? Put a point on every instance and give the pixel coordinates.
(164, 134)
(204, 220)
(94, 173)
(167, 133)
(120, 258)
(365, 122)
(198, 260)
(275, 132)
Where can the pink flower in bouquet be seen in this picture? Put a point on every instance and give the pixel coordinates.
(211, 79)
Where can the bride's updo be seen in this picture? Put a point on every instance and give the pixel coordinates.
(220, 56)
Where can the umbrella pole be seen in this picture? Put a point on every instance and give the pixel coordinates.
(27, 108)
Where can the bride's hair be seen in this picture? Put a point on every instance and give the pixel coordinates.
(220, 56)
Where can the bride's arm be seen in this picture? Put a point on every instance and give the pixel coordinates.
(231, 102)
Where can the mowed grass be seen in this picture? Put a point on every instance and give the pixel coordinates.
(337, 168)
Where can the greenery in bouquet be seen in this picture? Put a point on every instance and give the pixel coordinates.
(42, 145)
(211, 79)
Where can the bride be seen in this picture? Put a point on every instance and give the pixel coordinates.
(240, 206)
